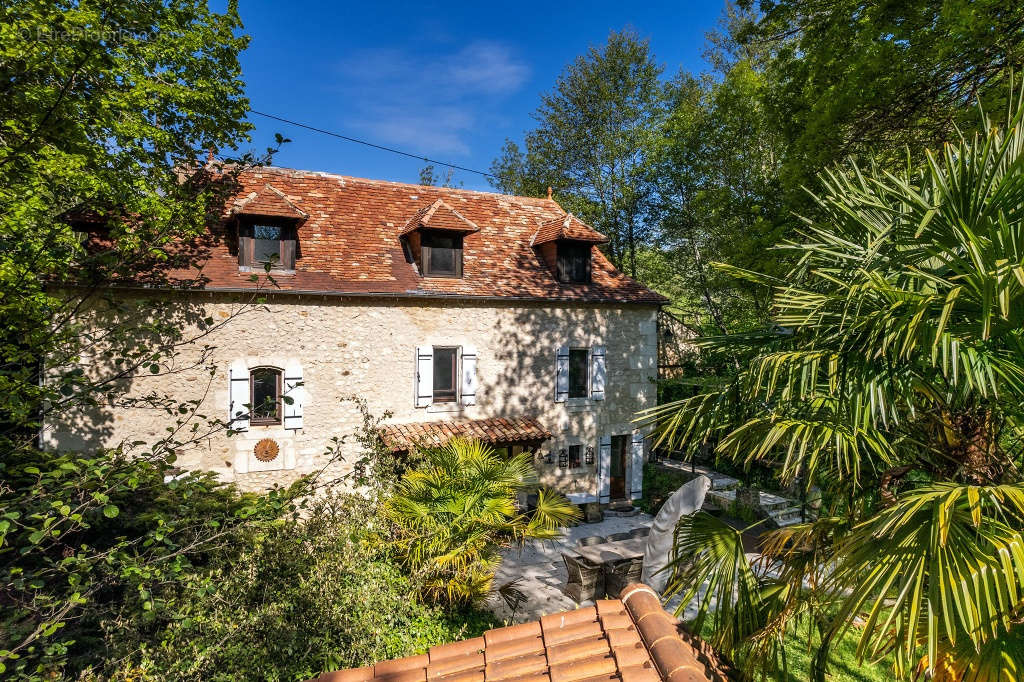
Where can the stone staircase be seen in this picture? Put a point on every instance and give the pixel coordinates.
(781, 510)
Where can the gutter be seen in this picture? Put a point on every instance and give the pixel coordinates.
(387, 295)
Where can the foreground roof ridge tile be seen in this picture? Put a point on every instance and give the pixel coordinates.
(630, 639)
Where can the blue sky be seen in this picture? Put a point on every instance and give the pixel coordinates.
(449, 80)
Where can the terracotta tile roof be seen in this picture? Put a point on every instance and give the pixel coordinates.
(268, 201)
(400, 437)
(631, 639)
(567, 227)
(351, 244)
(439, 216)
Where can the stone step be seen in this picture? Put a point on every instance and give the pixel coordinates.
(718, 481)
(769, 502)
(786, 517)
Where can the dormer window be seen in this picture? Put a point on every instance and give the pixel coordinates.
(441, 254)
(433, 238)
(566, 244)
(268, 223)
(261, 242)
(574, 262)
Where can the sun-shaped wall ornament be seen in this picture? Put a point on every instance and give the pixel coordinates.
(266, 450)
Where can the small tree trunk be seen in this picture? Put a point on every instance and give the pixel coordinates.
(976, 451)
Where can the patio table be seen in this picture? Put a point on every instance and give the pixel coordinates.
(613, 551)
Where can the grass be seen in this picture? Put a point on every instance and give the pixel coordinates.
(843, 665)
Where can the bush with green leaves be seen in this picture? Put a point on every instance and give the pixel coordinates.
(456, 511)
(83, 537)
(295, 598)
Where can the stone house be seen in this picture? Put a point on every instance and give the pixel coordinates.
(454, 311)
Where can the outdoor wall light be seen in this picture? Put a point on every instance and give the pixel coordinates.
(589, 455)
(563, 458)
(548, 458)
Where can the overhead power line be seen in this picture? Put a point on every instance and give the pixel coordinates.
(370, 144)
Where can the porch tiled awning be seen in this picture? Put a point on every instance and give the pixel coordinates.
(399, 437)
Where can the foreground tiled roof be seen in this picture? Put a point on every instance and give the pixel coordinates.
(400, 437)
(631, 639)
(351, 241)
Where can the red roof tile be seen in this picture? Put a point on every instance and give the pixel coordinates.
(400, 437)
(350, 241)
(439, 216)
(268, 201)
(631, 639)
(567, 227)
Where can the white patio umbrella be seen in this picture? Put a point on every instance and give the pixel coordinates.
(684, 501)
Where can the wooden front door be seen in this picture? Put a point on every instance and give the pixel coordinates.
(617, 479)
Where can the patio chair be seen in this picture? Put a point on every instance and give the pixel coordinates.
(618, 574)
(640, 532)
(592, 540)
(585, 581)
(618, 537)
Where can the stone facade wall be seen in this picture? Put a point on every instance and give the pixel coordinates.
(366, 348)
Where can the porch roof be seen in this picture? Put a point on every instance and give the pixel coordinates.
(399, 437)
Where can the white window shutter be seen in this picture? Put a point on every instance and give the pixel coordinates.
(424, 376)
(562, 374)
(597, 372)
(294, 389)
(238, 396)
(604, 463)
(637, 466)
(468, 375)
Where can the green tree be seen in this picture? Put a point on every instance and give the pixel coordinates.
(456, 512)
(893, 378)
(108, 111)
(851, 78)
(716, 169)
(595, 132)
(430, 177)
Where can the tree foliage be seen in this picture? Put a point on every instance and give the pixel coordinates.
(108, 109)
(290, 600)
(893, 378)
(855, 78)
(595, 133)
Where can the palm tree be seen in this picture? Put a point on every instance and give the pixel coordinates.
(894, 380)
(458, 510)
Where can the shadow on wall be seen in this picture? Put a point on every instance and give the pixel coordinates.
(123, 335)
(530, 340)
(137, 355)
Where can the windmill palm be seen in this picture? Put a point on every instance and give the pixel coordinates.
(894, 380)
(456, 512)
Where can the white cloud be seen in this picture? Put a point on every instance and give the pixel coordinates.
(427, 104)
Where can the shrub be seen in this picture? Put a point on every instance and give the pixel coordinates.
(302, 597)
(84, 536)
(458, 510)
(659, 484)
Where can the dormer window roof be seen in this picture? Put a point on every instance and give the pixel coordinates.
(270, 202)
(567, 228)
(439, 216)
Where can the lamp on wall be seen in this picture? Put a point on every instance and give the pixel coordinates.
(548, 457)
(563, 458)
(589, 455)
